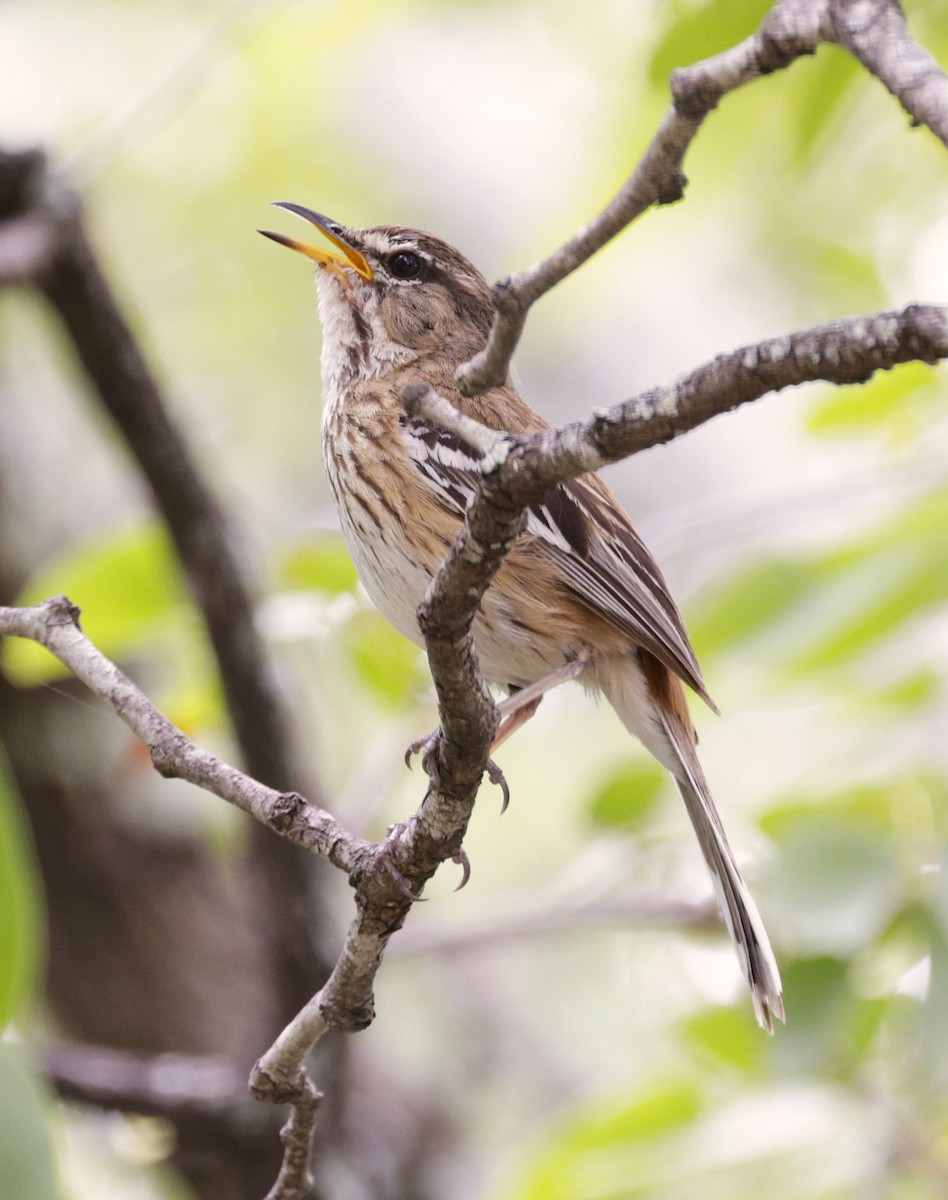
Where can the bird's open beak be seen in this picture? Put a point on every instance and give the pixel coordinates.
(330, 229)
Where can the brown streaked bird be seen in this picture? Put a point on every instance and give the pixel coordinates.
(579, 595)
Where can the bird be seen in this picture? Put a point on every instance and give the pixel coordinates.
(578, 595)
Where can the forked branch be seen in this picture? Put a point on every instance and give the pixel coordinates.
(873, 31)
(388, 876)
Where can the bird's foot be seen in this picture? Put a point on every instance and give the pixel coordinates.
(387, 858)
(427, 747)
(464, 863)
(498, 779)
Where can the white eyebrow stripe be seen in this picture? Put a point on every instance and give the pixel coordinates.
(381, 245)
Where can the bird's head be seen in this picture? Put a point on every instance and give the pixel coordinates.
(391, 296)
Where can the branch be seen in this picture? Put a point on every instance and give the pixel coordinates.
(180, 1087)
(55, 625)
(527, 919)
(520, 471)
(872, 30)
(43, 241)
(387, 877)
(877, 35)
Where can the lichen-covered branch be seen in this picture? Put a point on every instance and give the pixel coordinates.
(42, 242)
(55, 624)
(518, 472)
(874, 31)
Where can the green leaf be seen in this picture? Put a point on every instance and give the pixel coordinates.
(751, 603)
(726, 1037)
(871, 808)
(836, 884)
(590, 1157)
(128, 585)
(21, 921)
(823, 81)
(26, 1157)
(817, 997)
(876, 405)
(836, 275)
(823, 613)
(628, 795)
(388, 663)
(698, 31)
(322, 564)
(874, 586)
(912, 692)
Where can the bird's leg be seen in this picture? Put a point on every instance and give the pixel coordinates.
(521, 704)
(514, 712)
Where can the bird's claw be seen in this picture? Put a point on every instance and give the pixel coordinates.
(464, 863)
(387, 857)
(427, 746)
(497, 777)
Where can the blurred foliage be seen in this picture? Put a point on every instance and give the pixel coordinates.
(129, 586)
(25, 1146)
(320, 565)
(598, 1154)
(627, 796)
(21, 916)
(819, 612)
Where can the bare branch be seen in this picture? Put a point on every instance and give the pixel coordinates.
(657, 179)
(848, 351)
(527, 919)
(55, 625)
(385, 876)
(177, 1086)
(875, 32)
(279, 1077)
(295, 1181)
(788, 32)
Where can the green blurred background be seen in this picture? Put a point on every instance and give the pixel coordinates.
(588, 1044)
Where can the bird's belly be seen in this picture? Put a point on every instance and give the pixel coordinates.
(396, 583)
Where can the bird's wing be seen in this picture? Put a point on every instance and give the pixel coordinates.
(588, 536)
(609, 568)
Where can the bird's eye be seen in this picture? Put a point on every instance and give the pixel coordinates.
(405, 264)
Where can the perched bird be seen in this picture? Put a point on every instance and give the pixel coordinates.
(579, 594)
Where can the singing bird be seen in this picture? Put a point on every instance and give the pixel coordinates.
(579, 594)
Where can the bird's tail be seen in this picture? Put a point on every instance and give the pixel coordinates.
(737, 905)
(666, 732)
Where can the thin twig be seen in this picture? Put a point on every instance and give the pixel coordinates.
(791, 29)
(55, 624)
(872, 30)
(527, 919)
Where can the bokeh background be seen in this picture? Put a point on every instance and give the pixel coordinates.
(579, 1026)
